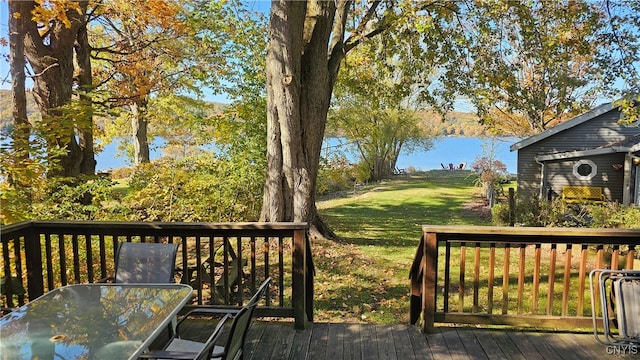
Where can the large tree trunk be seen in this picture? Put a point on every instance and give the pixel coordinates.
(300, 79)
(85, 83)
(51, 57)
(17, 29)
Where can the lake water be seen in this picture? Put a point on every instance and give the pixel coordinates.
(449, 150)
(454, 150)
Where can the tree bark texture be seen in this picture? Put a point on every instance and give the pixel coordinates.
(139, 126)
(85, 84)
(301, 71)
(51, 56)
(17, 29)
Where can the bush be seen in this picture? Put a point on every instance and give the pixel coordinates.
(500, 214)
(84, 198)
(198, 188)
(533, 212)
(335, 174)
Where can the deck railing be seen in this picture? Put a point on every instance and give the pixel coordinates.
(513, 276)
(224, 262)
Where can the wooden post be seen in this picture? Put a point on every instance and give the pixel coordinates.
(299, 279)
(512, 207)
(33, 255)
(429, 290)
(310, 274)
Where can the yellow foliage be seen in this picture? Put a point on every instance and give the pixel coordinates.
(47, 11)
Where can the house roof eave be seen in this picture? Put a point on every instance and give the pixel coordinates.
(582, 153)
(597, 111)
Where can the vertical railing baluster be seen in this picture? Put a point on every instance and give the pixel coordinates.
(17, 257)
(252, 244)
(567, 280)
(239, 254)
(63, 260)
(447, 275)
(630, 257)
(266, 256)
(89, 261)
(212, 267)
(281, 269)
(225, 273)
(186, 273)
(492, 266)
(552, 278)
(536, 279)
(599, 265)
(476, 278)
(6, 258)
(615, 257)
(521, 270)
(461, 285)
(582, 276)
(76, 258)
(49, 261)
(505, 279)
(103, 256)
(198, 279)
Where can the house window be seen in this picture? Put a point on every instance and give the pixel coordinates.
(585, 170)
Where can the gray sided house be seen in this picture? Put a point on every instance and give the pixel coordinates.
(592, 149)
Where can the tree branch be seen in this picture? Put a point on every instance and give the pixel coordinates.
(44, 70)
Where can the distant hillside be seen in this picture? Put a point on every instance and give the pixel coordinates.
(456, 123)
(6, 108)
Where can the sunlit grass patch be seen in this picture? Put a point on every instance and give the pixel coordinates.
(365, 276)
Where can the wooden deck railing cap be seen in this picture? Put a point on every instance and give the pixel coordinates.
(161, 225)
(547, 231)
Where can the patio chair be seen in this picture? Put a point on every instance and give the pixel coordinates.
(180, 348)
(144, 263)
(619, 301)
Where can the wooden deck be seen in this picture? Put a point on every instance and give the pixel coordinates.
(335, 341)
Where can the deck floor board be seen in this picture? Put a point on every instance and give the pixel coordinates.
(335, 341)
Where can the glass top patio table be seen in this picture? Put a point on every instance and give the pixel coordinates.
(91, 321)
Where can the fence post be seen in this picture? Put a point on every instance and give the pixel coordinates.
(33, 258)
(512, 207)
(300, 288)
(429, 291)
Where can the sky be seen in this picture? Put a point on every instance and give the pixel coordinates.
(5, 79)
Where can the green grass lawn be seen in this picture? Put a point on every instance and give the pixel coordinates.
(364, 277)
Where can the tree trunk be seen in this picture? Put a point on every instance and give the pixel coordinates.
(139, 126)
(85, 126)
(17, 29)
(52, 58)
(300, 80)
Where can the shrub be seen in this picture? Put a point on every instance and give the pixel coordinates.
(533, 212)
(335, 174)
(83, 198)
(198, 188)
(500, 214)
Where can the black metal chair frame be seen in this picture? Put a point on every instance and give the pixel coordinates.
(233, 348)
(609, 284)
